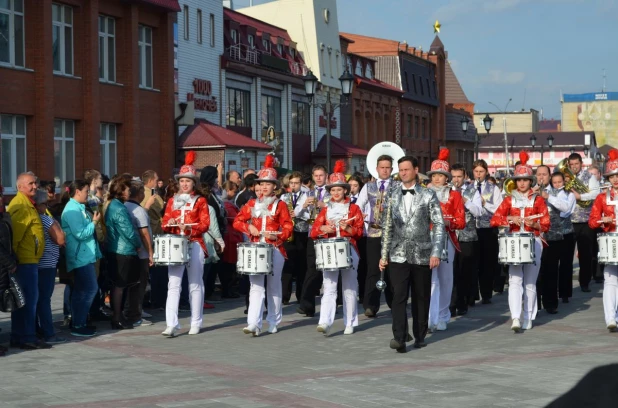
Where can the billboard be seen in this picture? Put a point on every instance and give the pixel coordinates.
(596, 112)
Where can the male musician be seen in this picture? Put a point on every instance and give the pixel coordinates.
(491, 198)
(523, 211)
(454, 216)
(565, 270)
(313, 278)
(465, 266)
(584, 235)
(296, 264)
(412, 247)
(603, 214)
(372, 200)
(557, 201)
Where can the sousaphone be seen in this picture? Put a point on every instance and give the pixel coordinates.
(384, 148)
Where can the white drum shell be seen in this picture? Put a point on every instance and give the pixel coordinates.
(608, 248)
(171, 249)
(333, 254)
(516, 248)
(254, 258)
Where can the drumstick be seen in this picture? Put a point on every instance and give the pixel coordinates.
(178, 225)
(270, 232)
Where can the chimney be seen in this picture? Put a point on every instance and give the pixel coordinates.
(229, 4)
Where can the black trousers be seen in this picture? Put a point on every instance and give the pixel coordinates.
(547, 282)
(406, 278)
(362, 267)
(465, 275)
(135, 293)
(312, 282)
(565, 271)
(295, 266)
(586, 245)
(371, 299)
(488, 260)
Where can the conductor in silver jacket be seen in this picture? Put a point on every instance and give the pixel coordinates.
(412, 242)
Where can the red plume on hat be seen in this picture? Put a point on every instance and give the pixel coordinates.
(611, 167)
(268, 172)
(523, 157)
(190, 157)
(444, 154)
(269, 163)
(613, 154)
(339, 166)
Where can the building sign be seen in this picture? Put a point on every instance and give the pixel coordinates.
(324, 119)
(202, 96)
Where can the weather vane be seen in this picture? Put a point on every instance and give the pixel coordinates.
(436, 27)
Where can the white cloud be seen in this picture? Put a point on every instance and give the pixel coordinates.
(496, 76)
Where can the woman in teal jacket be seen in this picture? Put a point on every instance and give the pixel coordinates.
(82, 251)
(121, 245)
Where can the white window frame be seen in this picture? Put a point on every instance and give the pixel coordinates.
(369, 71)
(62, 51)
(280, 49)
(234, 35)
(106, 35)
(251, 40)
(10, 179)
(266, 43)
(185, 12)
(106, 130)
(67, 174)
(12, 14)
(212, 30)
(142, 46)
(358, 70)
(200, 29)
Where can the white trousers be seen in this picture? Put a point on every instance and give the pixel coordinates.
(610, 293)
(522, 283)
(257, 295)
(442, 289)
(349, 283)
(195, 274)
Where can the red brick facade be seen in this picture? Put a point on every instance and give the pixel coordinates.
(143, 118)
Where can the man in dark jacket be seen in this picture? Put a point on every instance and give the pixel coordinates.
(8, 264)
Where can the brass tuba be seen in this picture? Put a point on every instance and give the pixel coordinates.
(291, 210)
(508, 186)
(574, 183)
(395, 152)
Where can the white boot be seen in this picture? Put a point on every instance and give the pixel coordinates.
(441, 326)
(348, 330)
(272, 329)
(252, 329)
(170, 331)
(324, 328)
(194, 330)
(527, 325)
(611, 326)
(516, 326)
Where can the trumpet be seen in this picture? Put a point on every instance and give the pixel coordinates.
(574, 183)
(314, 208)
(291, 210)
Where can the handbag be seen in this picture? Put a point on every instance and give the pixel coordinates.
(13, 297)
(212, 247)
(218, 248)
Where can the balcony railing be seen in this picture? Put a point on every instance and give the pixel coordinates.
(250, 55)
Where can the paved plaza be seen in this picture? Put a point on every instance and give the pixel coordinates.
(477, 362)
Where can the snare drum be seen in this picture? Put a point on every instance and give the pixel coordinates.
(254, 258)
(516, 248)
(333, 253)
(608, 248)
(171, 249)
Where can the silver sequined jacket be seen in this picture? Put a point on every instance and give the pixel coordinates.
(407, 238)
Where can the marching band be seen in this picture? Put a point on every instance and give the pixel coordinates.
(443, 244)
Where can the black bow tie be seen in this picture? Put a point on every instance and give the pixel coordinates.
(411, 191)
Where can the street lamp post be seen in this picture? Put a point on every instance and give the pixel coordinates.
(550, 143)
(586, 151)
(328, 108)
(487, 121)
(506, 143)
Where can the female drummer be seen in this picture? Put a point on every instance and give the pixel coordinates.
(268, 220)
(523, 211)
(603, 215)
(187, 214)
(454, 215)
(339, 214)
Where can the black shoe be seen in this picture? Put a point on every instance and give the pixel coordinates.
(369, 312)
(100, 317)
(472, 303)
(419, 344)
(86, 331)
(598, 280)
(121, 325)
(409, 338)
(302, 311)
(565, 300)
(486, 301)
(585, 289)
(285, 302)
(400, 347)
(39, 345)
(462, 312)
(551, 310)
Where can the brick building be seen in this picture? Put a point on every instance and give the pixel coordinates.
(86, 83)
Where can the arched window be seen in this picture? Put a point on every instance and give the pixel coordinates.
(359, 68)
(348, 62)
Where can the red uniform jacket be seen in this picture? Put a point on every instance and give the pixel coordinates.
(455, 209)
(506, 209)
(600, 209)
(357, 225)
(198, 215)
(231, 236)
(281, 221)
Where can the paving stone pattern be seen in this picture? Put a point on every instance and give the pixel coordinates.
(477, 362)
